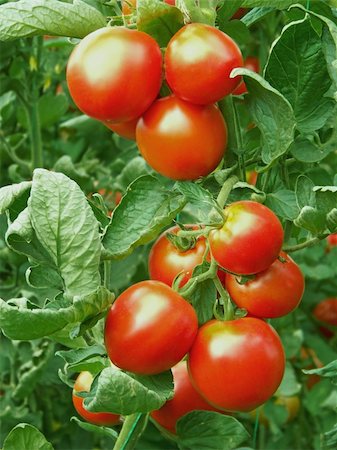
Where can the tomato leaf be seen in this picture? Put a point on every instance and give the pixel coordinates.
(8, 194)
(328, 371)
(218, 432)
(201, 199)
(289, 385)
(26, 437)
(20, 319)
(97, 430)
(204, 296)
(271, 112)
(283, 203)
(66, 227)
(26, 18)
(305, 195)
(311, 219)
(125, 393)
(159, 20)
(306, 151)
(143, 212)
(297, 68)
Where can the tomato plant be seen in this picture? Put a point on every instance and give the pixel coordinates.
(104, 62)
(274, 292)
(125, 129)
(251, 63)
(180, 140)
(236, 365)
(250, 239)
(326, 313)
(198, 63)
(149, 328)
(82, 384)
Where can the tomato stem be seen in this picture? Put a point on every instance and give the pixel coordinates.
(226, 189)
(133, 427)
(229, 311)
(190, 286)
(107, 274)
(308, 243)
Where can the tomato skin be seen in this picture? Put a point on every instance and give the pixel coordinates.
(198, 61)
(125, 129)
(185, 400)
(149, 328)
(236, 365)
(166, 261)
(326, 312)
(274, 292)
(83, 383)
(332, 240)
(180, 140)
(249, 241)
(250, 63)
(115, 74)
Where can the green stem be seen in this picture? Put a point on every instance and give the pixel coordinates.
(12, 154)
(34, 128)
(133, 427)
(226, 189)
(308, 243)
(189, 287)
(229, 311)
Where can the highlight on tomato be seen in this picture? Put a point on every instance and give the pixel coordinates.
(275, 292)
(236, 365)
(82, 384)
(149, 328)
(180, 140)
(186, 399)
(250, 239)
(166, 260)
(198, 61)
(103, 62)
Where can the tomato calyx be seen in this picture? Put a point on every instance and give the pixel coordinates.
(223, 308)
(182, 243)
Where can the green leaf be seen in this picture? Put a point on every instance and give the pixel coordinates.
(238, 31)
(218, 432)
(201, 199)
(255, 14)
(123, 270)
(97, 430)
(297, 68)
(133, 169)
(26, 437)
(271, 112)
(21, 320)
(326, 198)
(331, 219)
(289, 385)
(329, 439)
(204, 296)
(50, 109)
(196, 11)
(8, 194)
(26, 18)
(124, 393)
(75, 356)
(283, 203)
(277, 4)
(44, 277)
(328, 371)
(159, 20)
(144, 211)
(304, 192)
(225, 13)
(306, 151)
(66, 226)
(67, 167)
(311, 219)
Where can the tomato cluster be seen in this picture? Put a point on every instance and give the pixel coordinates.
(115, 74)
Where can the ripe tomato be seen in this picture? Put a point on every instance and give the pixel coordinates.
(83, 384)
(249, 241)
(274, 292)
(198, 62)
(115, 74)
(252, 177)
(185, 400)
(250, 63)
(180, 140)
(236, 365)
(149, 328)
(326, 312)
(166, 261)
(125, 129)
(332, 240)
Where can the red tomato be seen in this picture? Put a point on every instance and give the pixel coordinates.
(180, 140)
(185, 400)
(83, 384)
(240, 13)
(115, 74)
(326, 312)
(149, 328)
(198, 62)
(252, 177)
(125, 129)
(274, 292)
(250, 63)
(166, 261)
(249, 241)
(332, 240)
(236, 365)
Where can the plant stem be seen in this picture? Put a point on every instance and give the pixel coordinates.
(34, 128)
(229, 312)
(133, 427)
(308, 243)
(226, 189)
(107, 274)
